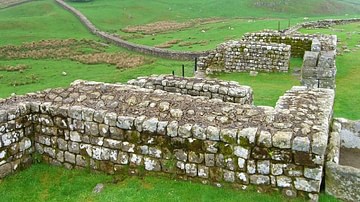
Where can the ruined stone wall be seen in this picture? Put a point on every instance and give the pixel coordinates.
(299, 42)
(179, 55)
(320, 24)
(16, 138)
(241, 56)
(342, 181)
(319, 69)
(211, 88)
(112, 127)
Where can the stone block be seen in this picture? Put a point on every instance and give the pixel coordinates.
(191, 169)
(310, 59)
(69, 157)
(228, 135)
(259, 179)
(5, 170)
(203, 171)
(247, 134)
(241, 152)
(301, 144)
(210, 159)
(212, 133)
(124, 122)
(150, 125)
(282, 139)
(265, 139)
(283, 181)
(198, 132)
(172, 129)
(326, 59)
(313, 173)
(152, 164)
(243, 178)
(184, 131)
(303, 184)
(263, 167)
(229, 176)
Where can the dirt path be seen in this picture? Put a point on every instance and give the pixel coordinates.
(350, 157)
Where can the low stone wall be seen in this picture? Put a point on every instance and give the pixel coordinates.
(299, 42)
(16, 139)
(179, 55)
(241, 56)
(341, 181)
(112, 127)
(321, 24)
(349, 133)
(214, 89)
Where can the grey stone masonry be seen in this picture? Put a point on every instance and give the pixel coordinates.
(116, 126)
(319, 69)
(299, 42)
(243, 56)
(342, 181)
(211, 88)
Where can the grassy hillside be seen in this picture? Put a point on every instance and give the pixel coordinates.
(36, 21)
(127, 12)
(43, 19)
(234, 18)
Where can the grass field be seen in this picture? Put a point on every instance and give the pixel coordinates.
(237, 18)
(49, 183)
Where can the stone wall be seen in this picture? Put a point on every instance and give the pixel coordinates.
(179, 55)
(16, 138)
(211, 88)
(319, 69)
(320, 24)
(299, 42)
(241, 56)
(112, 127)
(342, 181)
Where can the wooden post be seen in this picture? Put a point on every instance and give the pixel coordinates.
(195, 67)
(183, 71)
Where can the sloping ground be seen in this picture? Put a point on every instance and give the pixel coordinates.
(8, 3)
(114, 14)
(310, 7)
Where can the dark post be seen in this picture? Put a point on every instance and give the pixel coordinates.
(183, 70)
(278, 25)
(196, 59)
(173, 73)
(289, 23)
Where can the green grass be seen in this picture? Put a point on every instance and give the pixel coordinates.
(267, 87)
(39, 20)
(49, 183)
(113, 15)
(49, 73)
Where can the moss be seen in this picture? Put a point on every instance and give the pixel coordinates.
(225, 149)
(37, 157)
(133, 137)
(229, 139)
(195, 146)
(244, 142)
